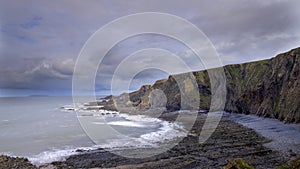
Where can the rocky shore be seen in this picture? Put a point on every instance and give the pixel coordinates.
(228, 142)
(15, 162)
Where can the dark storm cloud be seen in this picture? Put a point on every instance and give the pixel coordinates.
(40, 40)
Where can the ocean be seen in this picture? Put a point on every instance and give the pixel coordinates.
(46, 129)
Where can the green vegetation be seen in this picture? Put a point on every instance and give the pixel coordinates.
(238, 163)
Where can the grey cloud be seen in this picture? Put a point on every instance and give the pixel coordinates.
(40, 75)
(40, 40)
(63, 70)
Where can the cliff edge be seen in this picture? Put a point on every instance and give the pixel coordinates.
(268, 88)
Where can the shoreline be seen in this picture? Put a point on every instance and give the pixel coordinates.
(230, 140)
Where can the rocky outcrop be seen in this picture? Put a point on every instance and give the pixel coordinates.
(269, 88)
(15, 162)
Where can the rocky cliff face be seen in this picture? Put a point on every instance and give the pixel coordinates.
(269, 88)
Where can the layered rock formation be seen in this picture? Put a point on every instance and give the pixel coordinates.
(269, 88)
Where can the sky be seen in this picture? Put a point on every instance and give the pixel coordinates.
(41, 40)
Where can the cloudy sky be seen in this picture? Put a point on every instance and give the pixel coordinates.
(41, 40)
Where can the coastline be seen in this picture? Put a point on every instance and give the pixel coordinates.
(230, 140)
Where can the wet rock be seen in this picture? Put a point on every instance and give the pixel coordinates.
(7, 162)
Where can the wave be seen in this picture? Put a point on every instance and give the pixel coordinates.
(139, 118)
(126, 123)
(96, 110)
(162, 132)
(57, 155)
(166, 132)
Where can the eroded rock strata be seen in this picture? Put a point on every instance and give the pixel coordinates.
(269, 88)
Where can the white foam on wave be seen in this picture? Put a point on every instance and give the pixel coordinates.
(56, 155)
(168, 132)
(89, 106)
(81, 108)
(70, 108)
(165, 131)
(50, 156)
(140, 118)
(83, 111)
(126, 123)
(107, 111)
(7, 153)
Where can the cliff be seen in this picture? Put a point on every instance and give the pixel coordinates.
(269, 88)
